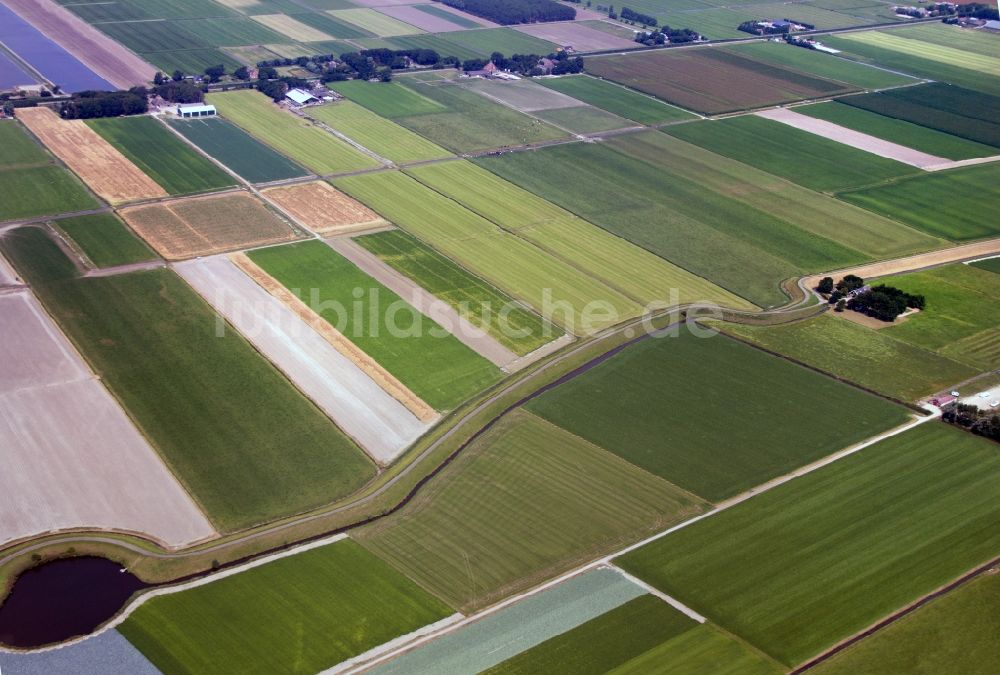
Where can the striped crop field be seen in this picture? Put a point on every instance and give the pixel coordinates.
(378, 134)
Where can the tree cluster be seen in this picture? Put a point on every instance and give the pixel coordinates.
(180, 92)
(666, 34)
(979, 10)
(632, 15)
(975, 420)
(509, 12)
(93, 104)
(885, 302)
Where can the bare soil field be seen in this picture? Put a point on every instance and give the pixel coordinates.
(379, 423)
(422, 20)
(711, 81)
(855, 139)
(324, 209)
(8, 276)
(107, 58)
(100, 165)
(71, 457)
(583, 38)
(186, 228)
(386, 380)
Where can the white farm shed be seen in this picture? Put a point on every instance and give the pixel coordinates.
(196, 110)
(300, 97)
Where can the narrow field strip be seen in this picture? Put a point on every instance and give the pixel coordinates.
(379, 423)
(386, 380)
(437, 310)
(855, 139)
(103, 168)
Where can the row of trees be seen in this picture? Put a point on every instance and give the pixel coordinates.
(509, 12)
(975, 420)
(632, 15)
(666, 34)
(93, 104)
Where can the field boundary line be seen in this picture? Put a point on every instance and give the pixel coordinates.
(144, 597)
(392, 644)
(673, 602)
(608, 560)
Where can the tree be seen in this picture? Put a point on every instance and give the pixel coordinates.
(267, 73)
(215, 73)
(383, 73)
(177, 76)
(158, 78)
(242, 73)
(825, 285)
(850, 283)
(840, 306)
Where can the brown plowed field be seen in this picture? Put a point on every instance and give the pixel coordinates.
(324, 209)
(710, 80)
(186, 228)
(106, 171)
(107, 58)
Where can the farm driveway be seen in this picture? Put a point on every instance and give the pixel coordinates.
(379, 423)
(70, 456)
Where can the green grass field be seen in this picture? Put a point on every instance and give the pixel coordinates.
(953, 635)
(432, 363)
(526, 501)
(190, 60)
(238, 435)
(238, 150)
(298, 614)
(30, 182)
(871, 358)
(374, 22)
(990, 264)
(807, 159)
(558, 291)
(704, 649)
(388, 99)
(925, 66)
(42, 191)
(616, 99)
(318, 150)
(797, 569)
(376, 133)
(945, 204)
(987, 64)
(822, 65)
(905, 133)
(473, 122)
(961, 319)
(646, 278)
(641, 187)
(519, 329)
(604, 643)
(161, 155)
(660, 404)
(105, 239)
(583, 119)
(506, 40)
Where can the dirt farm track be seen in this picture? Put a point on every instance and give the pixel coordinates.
(107, 58)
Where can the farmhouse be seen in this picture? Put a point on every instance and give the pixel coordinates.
(300, 97)
(189, 110)
(489, 70)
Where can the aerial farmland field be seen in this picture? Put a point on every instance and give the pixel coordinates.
(31, 183)
(617, 99)
(161, 155)
(304, 142)
(712, 81)
(378, 134)
(220, 415)
(811, 562)
(462, 290)
(899, 131)
(103, 168)
(938, 203)
(313, 609)
(601, 255)
(622, 405)
(990, 264)
(390, 99)
(438, 368)
(105, 240)
(187, 228)
(245, 155)
(324, 209)
(560, 498)
(870, 358)
(561, 293)
(807, 159)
